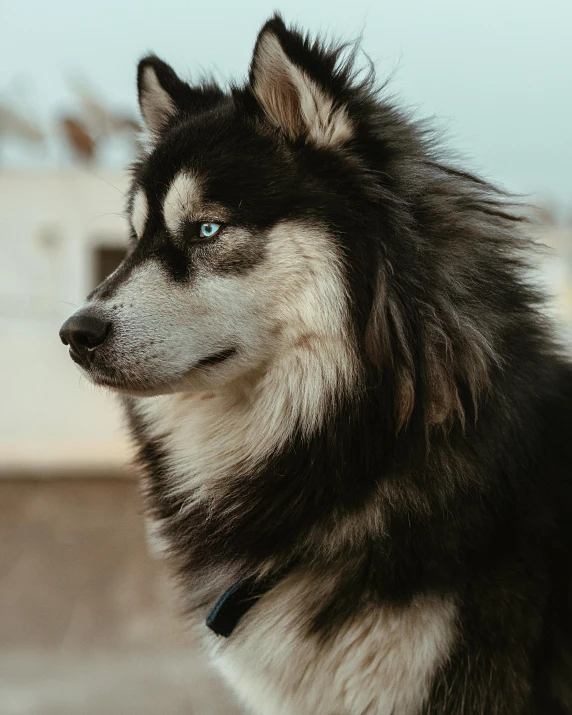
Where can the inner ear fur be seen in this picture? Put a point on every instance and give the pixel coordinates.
(290, 97)
(158, 88)
(163, 95)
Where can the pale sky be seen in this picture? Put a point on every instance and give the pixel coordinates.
(496, 74)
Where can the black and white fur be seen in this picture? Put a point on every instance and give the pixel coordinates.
(350, 386)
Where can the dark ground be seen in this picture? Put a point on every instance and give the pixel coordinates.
(88, 620)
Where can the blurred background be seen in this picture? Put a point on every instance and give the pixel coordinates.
(88, 618)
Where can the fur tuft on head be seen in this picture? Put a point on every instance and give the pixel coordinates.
(440, 317)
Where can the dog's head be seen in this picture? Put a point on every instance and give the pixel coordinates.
(234, 209)
(300, 219)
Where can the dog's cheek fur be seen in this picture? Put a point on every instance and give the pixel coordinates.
(301, 297)
(163, 328)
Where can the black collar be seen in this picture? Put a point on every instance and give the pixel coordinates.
(235, 603)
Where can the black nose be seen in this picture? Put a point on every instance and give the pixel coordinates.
(84, 332)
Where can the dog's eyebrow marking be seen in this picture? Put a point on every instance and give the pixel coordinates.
(183, 201)
(139, 212)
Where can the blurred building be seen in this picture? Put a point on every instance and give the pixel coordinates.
(61, 234)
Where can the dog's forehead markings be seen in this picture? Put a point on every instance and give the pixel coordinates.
(183, 200)
(140, 212)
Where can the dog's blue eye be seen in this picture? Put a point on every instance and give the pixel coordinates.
(207, 230)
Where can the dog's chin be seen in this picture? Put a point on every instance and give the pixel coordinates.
(124, 387)
(192, 378)
(134, 386)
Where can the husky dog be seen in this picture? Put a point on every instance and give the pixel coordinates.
(354, 426)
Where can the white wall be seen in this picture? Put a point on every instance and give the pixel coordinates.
(49, 223)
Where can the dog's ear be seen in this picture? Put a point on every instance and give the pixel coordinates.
(159, 91)
(292, 81)
(162, 95)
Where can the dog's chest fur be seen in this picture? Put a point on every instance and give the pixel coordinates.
(381, 660)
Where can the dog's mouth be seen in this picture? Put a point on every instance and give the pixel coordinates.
(215, 358)
(110, 376)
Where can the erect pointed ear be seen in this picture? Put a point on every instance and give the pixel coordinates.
(158, 87)
(284, 82)
(162, 95)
